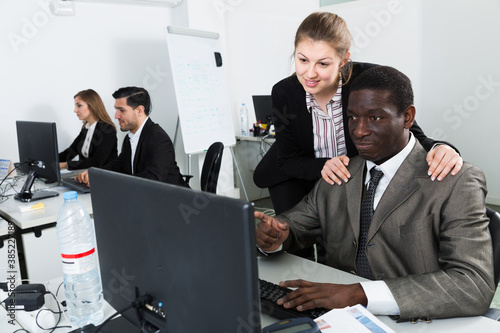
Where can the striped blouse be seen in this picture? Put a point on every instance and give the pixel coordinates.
(328, 129)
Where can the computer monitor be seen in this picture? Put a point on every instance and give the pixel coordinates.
(194, 252)
(263, 107)
(38, 157)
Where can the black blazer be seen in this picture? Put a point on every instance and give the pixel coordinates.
(154, 157)
(102, 150)
(292, 155)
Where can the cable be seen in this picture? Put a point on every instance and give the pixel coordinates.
(11, 171)
(6, 188)
(59, 312)
(54, 312)
(2, 196)
(137, 303)
(57, 291)
(262, 150)
(112, 316)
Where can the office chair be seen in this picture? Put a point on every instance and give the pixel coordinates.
(211, 168)
(494, 227)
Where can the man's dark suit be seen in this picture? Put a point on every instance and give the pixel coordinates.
(291, 157)
(102, 150)
(154, 157)
(429, 241)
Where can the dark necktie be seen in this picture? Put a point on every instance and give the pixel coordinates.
(366, 217)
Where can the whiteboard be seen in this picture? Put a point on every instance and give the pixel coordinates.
(200, 89)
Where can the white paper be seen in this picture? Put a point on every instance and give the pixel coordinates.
(6, 166)
(351, 319)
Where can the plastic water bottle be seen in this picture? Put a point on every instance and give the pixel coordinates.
(82, 285)
(244, 120)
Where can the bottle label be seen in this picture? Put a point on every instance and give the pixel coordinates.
(78, 263)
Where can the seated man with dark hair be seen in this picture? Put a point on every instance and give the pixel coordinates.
(425, 244)
(147, 151)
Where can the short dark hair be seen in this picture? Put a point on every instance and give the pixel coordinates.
(385, 78)
(135, 96)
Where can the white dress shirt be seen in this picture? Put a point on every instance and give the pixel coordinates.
(88, 138)
(134, 140)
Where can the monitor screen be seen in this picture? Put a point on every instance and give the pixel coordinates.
(263, 107)
(38, 156)
(192, 252)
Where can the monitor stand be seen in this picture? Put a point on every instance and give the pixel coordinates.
(26, 195)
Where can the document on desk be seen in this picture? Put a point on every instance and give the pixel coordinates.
(7, 169)
(351, 319)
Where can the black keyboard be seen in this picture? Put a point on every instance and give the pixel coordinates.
(270, 293)
(75, 185)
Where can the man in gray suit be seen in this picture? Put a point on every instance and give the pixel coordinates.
(427, 248)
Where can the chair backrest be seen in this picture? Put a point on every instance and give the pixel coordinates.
(211, 167)
(494, 227)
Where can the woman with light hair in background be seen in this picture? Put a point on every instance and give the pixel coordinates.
(96, 145)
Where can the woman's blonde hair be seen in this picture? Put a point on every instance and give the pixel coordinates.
(95, 105)
(329, 28)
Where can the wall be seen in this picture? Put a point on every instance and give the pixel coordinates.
(460, 53)
(386, 33)
(47, 59)
(260, 46)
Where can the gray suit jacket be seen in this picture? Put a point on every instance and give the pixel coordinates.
(429, 241)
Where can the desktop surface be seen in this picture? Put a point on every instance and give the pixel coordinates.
(286, 266)
(10, 208)
(283, 267)
(36, 237)
(118, 324)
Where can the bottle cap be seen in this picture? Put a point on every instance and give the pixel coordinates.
(70, 195)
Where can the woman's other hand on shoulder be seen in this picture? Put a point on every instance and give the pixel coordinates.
(335, 170)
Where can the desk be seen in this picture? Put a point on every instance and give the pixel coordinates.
(19, 321)
(8, 251)
(249, 151)
(286, 266)
(36, 234)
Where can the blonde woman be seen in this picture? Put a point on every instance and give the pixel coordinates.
(96, 145)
